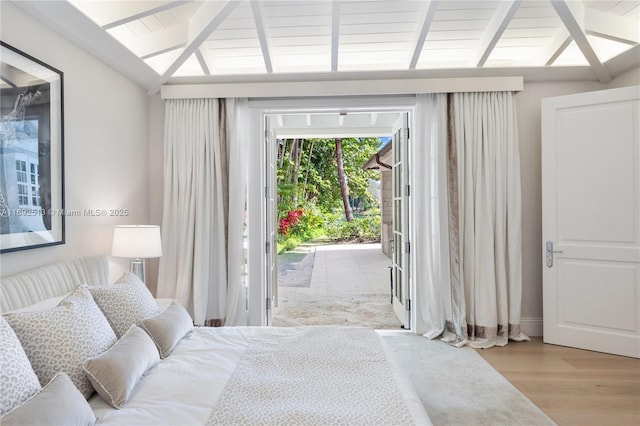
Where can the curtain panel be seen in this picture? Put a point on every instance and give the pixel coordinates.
(476, 179)
(196, 216)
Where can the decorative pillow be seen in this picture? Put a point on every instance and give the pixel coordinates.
(18, 382)
(115, 373)
(168, 327)
(59, 402)
(42, 305)
(127, 301)
(60, 339)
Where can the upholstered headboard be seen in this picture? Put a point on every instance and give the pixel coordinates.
(29, 287)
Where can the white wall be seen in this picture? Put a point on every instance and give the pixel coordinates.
(629, 78)
(106, 143)
(156, 164)
(529, 124)
(529, 130)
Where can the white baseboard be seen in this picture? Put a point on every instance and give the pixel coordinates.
(531, 326)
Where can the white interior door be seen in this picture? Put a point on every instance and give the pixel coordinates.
(400, 276)
(271, 238)
(591, 220)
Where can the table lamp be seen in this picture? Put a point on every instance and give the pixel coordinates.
(138, 242)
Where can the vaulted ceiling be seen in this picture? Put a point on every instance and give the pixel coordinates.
(165, 42)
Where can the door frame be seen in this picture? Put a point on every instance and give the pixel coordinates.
(257, 185)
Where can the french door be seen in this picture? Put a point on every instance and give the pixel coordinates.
(271, 207)
(400, 273)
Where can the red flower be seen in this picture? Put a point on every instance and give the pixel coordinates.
(291, 220)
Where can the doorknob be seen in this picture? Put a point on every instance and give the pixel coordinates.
(550, 252)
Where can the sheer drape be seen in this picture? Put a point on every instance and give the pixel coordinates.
(479, 301)
(430, 212)
(196, 209)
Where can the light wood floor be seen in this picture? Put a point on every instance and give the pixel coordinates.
(572, 386)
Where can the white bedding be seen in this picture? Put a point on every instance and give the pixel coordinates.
(183, 388)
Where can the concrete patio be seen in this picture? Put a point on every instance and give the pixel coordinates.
(335, 284)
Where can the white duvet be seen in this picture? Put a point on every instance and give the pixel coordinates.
(184, 388)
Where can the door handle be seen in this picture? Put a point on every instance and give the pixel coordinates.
(549, 253)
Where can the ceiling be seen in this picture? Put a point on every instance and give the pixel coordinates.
(169, 42)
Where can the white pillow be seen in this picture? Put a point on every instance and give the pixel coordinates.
(168, 327)
(128, 301)
(60, 339)
(116, 372)
(41, 305)
(59, 402)
(18, 382)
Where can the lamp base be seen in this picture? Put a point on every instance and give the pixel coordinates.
(137, 268)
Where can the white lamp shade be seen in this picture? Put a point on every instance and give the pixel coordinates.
(137, 241)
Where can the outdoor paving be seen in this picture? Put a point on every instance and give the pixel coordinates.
(335, 284)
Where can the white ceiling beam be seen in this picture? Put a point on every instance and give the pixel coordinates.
(335, 34)
(204, 22)
(263, 35)
(74, 25)
(611, 26)
(554, 48)
(119, 13)
(374, 118)
(200, 55)
(572, 15)
(308, 120)
(159, 42)
(421, 34)
(492, 34)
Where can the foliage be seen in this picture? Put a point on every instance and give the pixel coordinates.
(362, 228)
(309, 192)
(290, 221)
(312, 162)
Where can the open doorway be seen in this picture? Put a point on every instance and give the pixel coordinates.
(329, 280)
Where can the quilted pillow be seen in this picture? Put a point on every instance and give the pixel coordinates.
(168, 327)
(60, 339)
(18, 382)
(126, 302)
(59, 402)
(115, 373)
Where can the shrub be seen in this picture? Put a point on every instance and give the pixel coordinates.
(365, 228)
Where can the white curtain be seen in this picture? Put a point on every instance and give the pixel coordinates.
(430, 212)
(196, 209)
(236, 287)
(479, 302)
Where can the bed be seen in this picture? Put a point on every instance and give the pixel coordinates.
(229, 375)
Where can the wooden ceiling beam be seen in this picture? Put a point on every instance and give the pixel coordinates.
(202, 60)
(492, 34)
(335, 34)
(611, 26)
(263, 35)
(572, 15)
(421, 33)
(159, 42)
(114, 14)
(554, 48)
(205, 21)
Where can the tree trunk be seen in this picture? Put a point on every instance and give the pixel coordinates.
(296, 169)
(344, 190)
(306, 176)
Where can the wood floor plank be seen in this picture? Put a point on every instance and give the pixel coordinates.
(572, 386)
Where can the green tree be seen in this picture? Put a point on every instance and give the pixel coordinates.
(308, 171)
